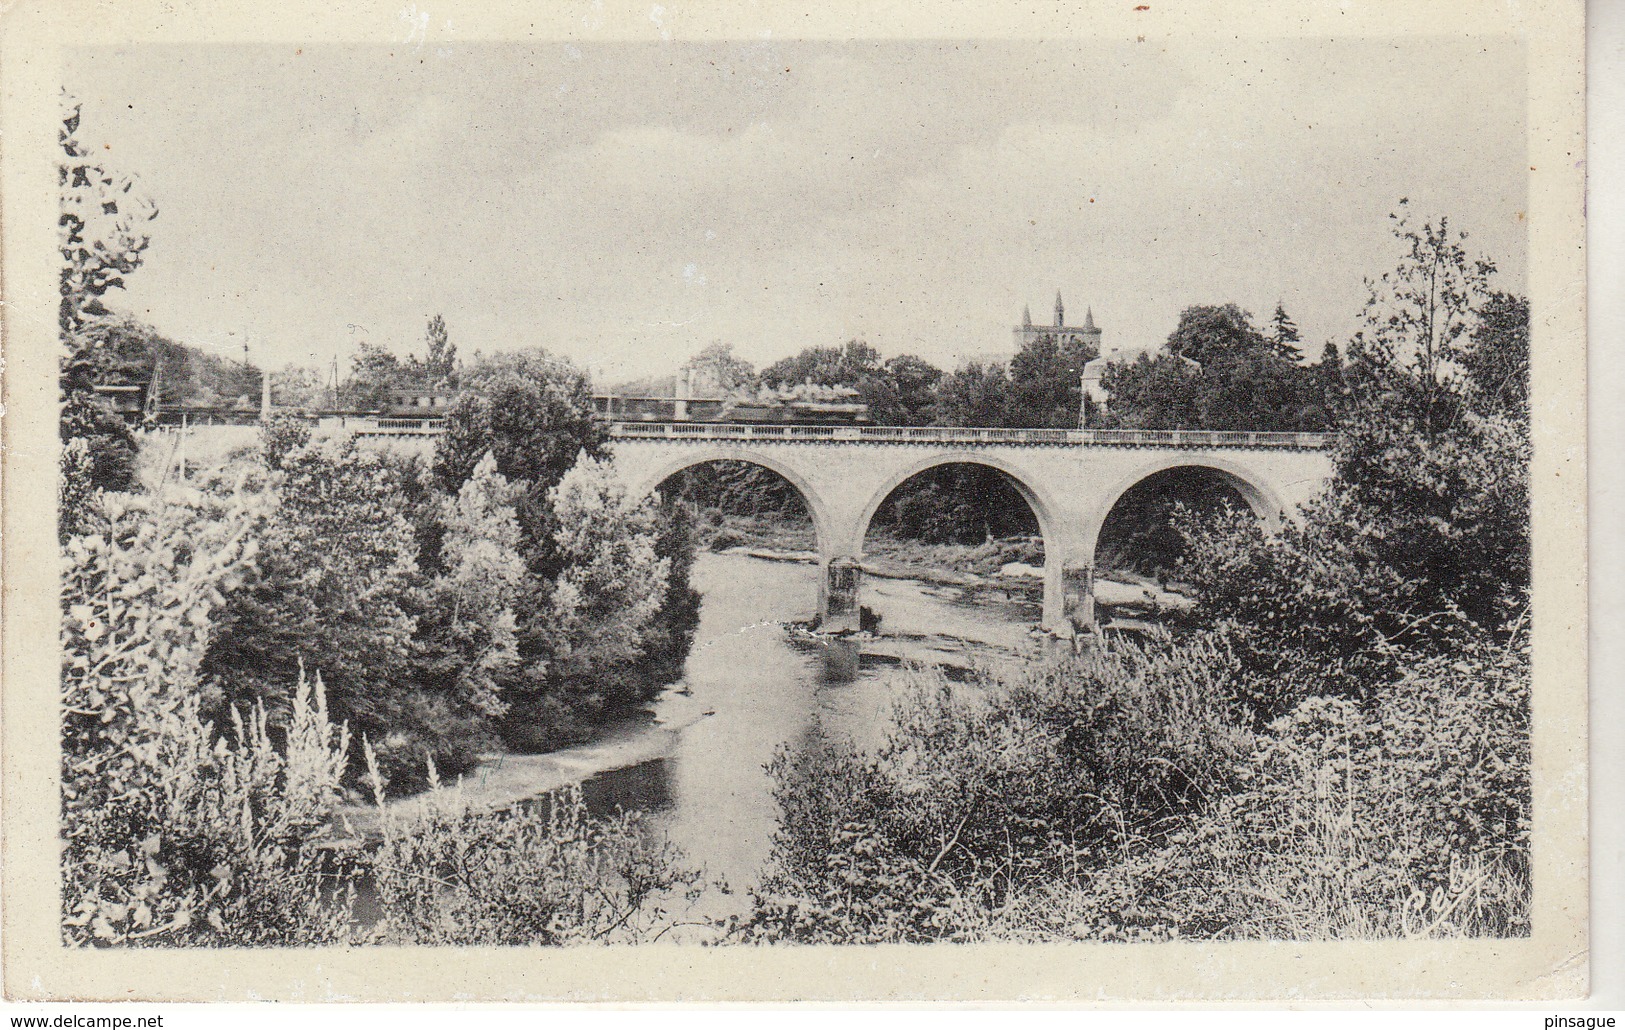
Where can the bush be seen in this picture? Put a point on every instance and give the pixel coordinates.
(447, 875)
(984, 794)
(174, 834)
(335, 583)
(1404, 819)
(98, 455)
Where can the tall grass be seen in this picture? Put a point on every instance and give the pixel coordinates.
(1128, 795)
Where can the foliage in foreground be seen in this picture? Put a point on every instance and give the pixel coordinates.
(175, 833)
(547, 873)
(179, 834)
(1126, 796)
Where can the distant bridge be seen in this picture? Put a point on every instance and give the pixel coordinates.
(1071, 478)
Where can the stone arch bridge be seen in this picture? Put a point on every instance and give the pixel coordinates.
(1070, 477)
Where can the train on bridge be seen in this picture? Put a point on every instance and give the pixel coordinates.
(836, 410)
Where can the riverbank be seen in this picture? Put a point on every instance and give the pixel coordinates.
(695, 755)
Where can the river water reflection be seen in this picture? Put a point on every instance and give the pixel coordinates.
(697, 766)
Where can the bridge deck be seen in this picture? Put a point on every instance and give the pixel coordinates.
(804, 433)
(965, 435)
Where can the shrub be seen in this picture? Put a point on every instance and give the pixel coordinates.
(1409, 817)
(448, 875)
(334, 583)
(98, 455)
(174, 834)
(983, 794)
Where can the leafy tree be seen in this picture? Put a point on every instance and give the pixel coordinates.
(295, 387)
(716, 368)
(910, 395)
(1046, 383)
(1497, 360)
(440, 361)
(1207, 332)
(1422, 534)
(467, 634)
(585, 635)
(1258, 391)
(333, 586)
(959, 503)
(99, 241)
(670, 633)
(1244, 381)
(1417, 316)
(533, 414)
(100, 238)
(1284, 335)
(1152, 393)
(975, 395)
(825, 366)
(374, 372)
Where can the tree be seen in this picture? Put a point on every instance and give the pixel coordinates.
(1417, 315)
(1257, 390)
(716, 368)
(469, 623)
(670, 634)
(375, 372)
(1284, 335)
(1207, 332)
(99, 232)
(1497, 359)
(533, 414)
(974, 395)
(584, 640)
(825, 366)
(333, 591)
(1046, 383)
(910, 398)
(440, 360)
(1152, 393)
(1422, 534)
(100, 244)
(296, 387)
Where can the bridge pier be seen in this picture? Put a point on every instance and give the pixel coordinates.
(839, 589)
(1054, 613)
(1079, 599)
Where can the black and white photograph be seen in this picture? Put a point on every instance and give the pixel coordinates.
(722, 493)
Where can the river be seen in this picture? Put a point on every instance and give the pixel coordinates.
(694, 761)
(749, 687)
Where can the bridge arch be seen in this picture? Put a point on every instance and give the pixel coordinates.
(1050, 525)
(1043, 507)
(1259, 494)
(823, 530)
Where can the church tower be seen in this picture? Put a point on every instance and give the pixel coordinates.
(1087, 334)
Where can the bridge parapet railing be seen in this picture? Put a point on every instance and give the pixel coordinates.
(813, 433)
(968, 435)
(399, 427)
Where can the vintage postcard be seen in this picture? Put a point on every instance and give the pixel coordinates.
(715, 502)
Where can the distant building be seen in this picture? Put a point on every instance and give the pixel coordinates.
(128, 399)
(1085, 334)
(421, 400)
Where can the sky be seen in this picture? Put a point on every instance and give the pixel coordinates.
(626, 204)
